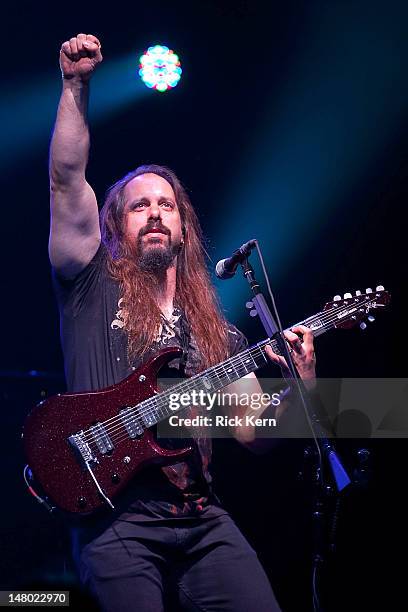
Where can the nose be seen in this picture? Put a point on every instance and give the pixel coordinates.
(154, 211)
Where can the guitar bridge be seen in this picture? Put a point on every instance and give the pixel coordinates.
(82, 448)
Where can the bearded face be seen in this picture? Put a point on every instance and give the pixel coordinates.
(154, 253)
(153, 223)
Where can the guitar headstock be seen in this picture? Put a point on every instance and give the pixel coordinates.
(350, 310)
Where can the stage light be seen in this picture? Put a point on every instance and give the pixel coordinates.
(160, 68)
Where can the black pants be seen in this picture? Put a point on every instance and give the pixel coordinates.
(207, 564)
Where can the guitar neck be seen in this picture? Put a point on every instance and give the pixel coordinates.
(157, 408)
(252, 358)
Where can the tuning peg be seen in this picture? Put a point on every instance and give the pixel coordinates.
(371, 318)
(379, 288)
(253, 313)
(358, 293)
(369, 290)
(337, 298)
(249, 305)
(363, 325)
(347, 296)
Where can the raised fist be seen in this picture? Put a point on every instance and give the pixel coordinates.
(79, 56)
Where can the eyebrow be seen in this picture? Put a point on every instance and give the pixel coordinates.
(145, 199)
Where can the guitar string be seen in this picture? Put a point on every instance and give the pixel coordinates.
(140, 411)
(140, 407)
(123, 435)
(144, 410)
(164, 405)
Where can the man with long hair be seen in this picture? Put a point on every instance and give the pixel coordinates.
(129, 282)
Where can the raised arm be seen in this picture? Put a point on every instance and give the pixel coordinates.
(75, 234)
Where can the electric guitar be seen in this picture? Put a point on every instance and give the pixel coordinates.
(84, 448)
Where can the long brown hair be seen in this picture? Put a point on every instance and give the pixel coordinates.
(195, 294)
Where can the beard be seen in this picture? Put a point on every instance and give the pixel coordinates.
(155, 257)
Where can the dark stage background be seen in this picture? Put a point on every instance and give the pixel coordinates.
(290, 124)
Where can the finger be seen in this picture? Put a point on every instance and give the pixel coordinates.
(308, 338)
(294, 341)
(92, 38)
(278, 359)
(74, 47)
(271, 354)
(90, 46)
(66, 49)
(290, 336)
(93, 50)
(81, 38)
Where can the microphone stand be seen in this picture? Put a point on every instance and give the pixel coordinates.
(326, 452)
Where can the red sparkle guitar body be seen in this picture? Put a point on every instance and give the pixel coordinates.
(56, 465)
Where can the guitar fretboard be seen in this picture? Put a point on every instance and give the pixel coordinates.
(157, 408)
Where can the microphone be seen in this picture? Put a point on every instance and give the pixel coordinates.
(226, 268)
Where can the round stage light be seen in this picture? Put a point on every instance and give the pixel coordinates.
(160, 68)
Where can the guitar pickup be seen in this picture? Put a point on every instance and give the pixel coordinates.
(131, 422)
(102, 439)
